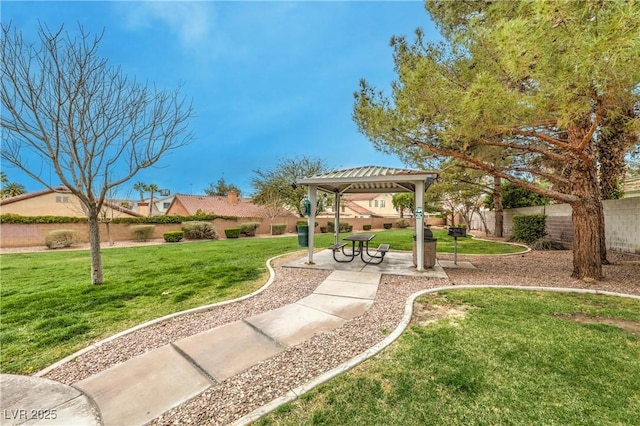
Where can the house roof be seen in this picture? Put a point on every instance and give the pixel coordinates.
(359, 209)
(34, 194)
(112, 204)
(374, 179)
(222, 206)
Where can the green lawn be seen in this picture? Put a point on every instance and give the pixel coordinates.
(49, 308)
(402, 239)
(517, 358)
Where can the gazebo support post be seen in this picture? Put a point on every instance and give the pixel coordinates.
(419, 195)
(336, 218)
(313, 192)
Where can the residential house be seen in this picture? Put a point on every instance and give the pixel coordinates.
(631, 187)
(366, 205)
(58, 201)
(230, 205)
(160, 205)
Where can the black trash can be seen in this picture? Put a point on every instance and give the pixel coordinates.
(429, 250)
(303, 235)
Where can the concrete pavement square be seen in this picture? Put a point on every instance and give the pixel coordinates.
(344, 307)
(292, 324)
(347, 289)
(228, 350)
(356, 277)
(34, 400)
(142, 388)
(451, 264)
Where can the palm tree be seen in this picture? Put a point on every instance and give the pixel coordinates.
(141, 187)
(152, 188)
(10, 189)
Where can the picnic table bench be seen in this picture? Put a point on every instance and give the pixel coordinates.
(362, 249)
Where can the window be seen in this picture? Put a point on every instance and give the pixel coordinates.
(62, 199)
(165, 205)
(376, 203)
(382, 203)
(370, 203)
(343, 208)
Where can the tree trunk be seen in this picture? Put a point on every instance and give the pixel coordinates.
(601, 235)
(497, 205)
(96, 256)
(587, 264)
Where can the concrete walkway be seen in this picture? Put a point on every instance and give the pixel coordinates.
(144, 387)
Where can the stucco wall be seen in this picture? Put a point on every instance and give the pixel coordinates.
(621, 218)
(53, 204)
(29, 235)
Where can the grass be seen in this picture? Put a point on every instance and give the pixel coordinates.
(50, 310)
(517, 358)
(402, 239)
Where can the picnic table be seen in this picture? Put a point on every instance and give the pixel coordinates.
(362, 249)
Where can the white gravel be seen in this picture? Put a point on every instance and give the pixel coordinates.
(237, 396)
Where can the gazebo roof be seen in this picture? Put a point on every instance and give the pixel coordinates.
(370, 179)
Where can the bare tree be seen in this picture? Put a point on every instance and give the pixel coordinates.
(67, 108)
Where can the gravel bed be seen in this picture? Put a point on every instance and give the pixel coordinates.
(287, 288)
(237, 396)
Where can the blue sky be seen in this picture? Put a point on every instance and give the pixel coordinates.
(268, 80)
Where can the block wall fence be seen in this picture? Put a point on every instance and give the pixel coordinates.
(33, 234)
(621, 218)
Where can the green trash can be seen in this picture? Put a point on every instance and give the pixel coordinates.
(303, 235)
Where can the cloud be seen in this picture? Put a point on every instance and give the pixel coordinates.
(190, 21)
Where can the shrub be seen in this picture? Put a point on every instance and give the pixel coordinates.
(366, 227)
(402, 223)
(171, 219)
(344, 227)
(16, 218)
(529, 228)
(61, 238)
(142, 232)
(323, 229)
(387, 225)
(546, 243)
(232, 232)
(249, 228)
(173, 236)
(304, 223)
(199, 230)
(278, 228)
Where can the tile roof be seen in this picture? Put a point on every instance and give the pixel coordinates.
(359, 209)
(221, 206)
(34, 194)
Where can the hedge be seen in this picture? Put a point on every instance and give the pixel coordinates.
(278, 228)
(16, 218)
(172, 219)
(249, 228)
(232, 232)
(173, 236)
(529, 228)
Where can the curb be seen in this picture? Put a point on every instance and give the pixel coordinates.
(406, 319)
(162, 319)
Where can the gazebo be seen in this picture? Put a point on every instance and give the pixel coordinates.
(369, 179)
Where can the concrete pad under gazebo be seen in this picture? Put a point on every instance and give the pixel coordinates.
(369, 179)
